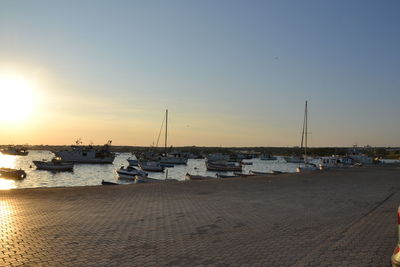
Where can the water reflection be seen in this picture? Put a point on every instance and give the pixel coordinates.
(7, 161)
(7, 184)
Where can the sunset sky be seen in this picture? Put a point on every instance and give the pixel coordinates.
(231, 73)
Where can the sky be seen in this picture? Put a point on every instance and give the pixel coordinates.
(231, 73)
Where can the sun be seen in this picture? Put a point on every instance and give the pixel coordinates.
(17, 98)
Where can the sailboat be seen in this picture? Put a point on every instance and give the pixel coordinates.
(304, 140)
(169, 159)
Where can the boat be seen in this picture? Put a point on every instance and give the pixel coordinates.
(15, 151)
(246, 163)
(87, 154)
(198, 177)
(133, 161)
(268, 157)
(108, 183)
(307, 166)
(56, 164)
(167, 159)
(277, 172)
(8, 173)
(223, 165)
(129, 172)
(260, 173)
(144, 179)
(151, 166)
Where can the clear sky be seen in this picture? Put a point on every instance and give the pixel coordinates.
(231, 73)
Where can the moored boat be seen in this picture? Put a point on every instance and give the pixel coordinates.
(108, 183)
(87, 154)
(151, 166)
(223, 165)
(260, 173)
(56, 164)
(15, 151)
(198, 177)
(14, 174)
(144, 179)
(243, 174)
(130, 172)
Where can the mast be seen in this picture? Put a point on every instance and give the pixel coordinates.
(305, 132)
(166, 131)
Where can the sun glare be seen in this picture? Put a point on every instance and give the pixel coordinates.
(16, 98)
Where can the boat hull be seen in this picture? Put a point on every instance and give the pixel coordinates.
(14, 174)
(48, 166)
(85, 157)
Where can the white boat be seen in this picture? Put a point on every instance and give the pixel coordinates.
(307, 166)
(87, 154)
(130, 172)
(151, 166)
(56, 164)
(223, 165)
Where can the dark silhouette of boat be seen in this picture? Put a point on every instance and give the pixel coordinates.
(14, 174)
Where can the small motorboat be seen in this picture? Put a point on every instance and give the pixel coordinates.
(277, 172)
(223, 166)
(198, 177)
(260, 173)
(56, 164)
(108, 183)
(8, 173)
(151, 166)
(15, 151)
(144, 179)
(130, 172)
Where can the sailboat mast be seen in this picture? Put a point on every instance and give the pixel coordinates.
(306, 133)
(166, 130)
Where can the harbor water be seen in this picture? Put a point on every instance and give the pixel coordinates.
(93, 174)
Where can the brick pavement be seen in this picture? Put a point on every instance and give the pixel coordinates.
(337, 218)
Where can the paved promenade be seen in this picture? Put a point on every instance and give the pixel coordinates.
(337, 218)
